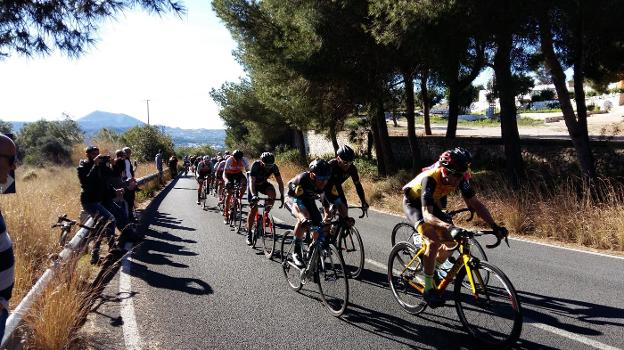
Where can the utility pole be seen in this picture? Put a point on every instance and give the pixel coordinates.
(147, 111)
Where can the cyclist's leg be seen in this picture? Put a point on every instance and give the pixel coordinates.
(252, 212)
(200, 181)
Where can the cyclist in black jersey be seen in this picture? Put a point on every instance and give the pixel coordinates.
(302, 192)
(342, 168)
(259, 174)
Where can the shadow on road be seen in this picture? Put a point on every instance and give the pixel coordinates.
(159, 280)
(547, 309)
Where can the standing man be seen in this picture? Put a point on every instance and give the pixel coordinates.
(7, 259)
(159, 165)
(129, 180)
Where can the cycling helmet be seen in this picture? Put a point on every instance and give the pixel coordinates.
(267, 158)
(206, 158)
(320, 169)
(219, 158)
(238, 154)
(346, 153)
(456, 160)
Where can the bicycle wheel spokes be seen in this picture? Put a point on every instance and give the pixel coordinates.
(268, 238)
(406, 277)
(493, 314)
(332, 280)
(352, 251)
(291, 271)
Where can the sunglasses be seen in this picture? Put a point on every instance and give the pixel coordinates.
(322, 178)
(11, 159)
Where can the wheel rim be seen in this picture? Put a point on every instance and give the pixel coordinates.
(268, 238)
(332, 280)
(291, 272)
(408, 297)
(351, 249)
(494, 316)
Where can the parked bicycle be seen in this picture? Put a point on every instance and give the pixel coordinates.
(66, 225)
(490, 311)
(323, 265)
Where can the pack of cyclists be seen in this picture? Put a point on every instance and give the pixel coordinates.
(424, 199)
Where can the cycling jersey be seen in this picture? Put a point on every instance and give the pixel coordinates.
(261, 172)
(219, 168)
(334, 190)
(234, 166)
(204, 169)
(429, 188)
(303, 187)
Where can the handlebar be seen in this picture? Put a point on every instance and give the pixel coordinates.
(267, 198)
(63, 221)
(499, 238)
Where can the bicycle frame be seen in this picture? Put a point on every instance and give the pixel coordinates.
(464, 261)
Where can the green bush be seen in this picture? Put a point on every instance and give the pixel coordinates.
(287, 155)
(45, 141)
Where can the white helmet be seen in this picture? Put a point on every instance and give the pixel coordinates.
(206, 158)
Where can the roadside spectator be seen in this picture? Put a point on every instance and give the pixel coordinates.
(173, 166)
(7, 259)
(95, 181)
(119, 164)
(130, 194)
(159, 165)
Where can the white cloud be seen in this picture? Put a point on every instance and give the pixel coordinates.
(172, 61)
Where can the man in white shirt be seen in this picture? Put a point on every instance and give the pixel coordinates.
(129, 193)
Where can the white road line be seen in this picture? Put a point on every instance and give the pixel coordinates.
(569, 335)
(542, 326)
(132, 338)
(526, 240)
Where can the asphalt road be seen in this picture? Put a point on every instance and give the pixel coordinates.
(196, 285)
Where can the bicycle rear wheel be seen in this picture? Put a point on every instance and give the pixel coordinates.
(268, 238)
(291, 271)
(492, 314)
(404, 232)
(332, 280)
(351, 249)
(404, 275)
(257, 232)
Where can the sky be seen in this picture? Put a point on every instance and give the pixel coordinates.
(172, 61)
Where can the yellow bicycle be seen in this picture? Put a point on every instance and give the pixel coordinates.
(485, 300)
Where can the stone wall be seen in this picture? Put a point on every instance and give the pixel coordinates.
(557, 154)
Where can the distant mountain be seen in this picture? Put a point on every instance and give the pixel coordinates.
(94, 121)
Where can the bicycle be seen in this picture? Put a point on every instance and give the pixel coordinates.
(235, 206)
(406, 232)
(323, 265)
(347, 239)
(66, 225)
(476, 301)
(263, 227)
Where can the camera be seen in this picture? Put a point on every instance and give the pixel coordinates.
(105, 159)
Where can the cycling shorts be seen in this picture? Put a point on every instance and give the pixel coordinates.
(263, 188)
(413, 212)
(234, 178)
(305, 205)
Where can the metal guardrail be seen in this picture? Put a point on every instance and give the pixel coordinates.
(10, 339)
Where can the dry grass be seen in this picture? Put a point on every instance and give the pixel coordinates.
(42, 195)
(563, 212)
(58, 313)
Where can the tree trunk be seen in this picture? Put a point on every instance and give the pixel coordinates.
(369, 144)
(578, 132)
(384, 139)
(453, 110)
(394, 119)
(381, 165)
(408, 79)
(300, 144)
(333, 137)
(509, 125)
(424, 93)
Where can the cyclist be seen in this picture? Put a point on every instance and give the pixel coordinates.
(187, 164)
(195, 163)
(219, 176)
(204, 170)
(423, 203)
(260, 172)
(342, 168)
(235, 167)
(302, 192)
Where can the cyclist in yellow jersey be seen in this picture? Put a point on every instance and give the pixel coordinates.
(423, 201)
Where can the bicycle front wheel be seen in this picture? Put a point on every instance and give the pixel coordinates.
(268, 238)
(332, 280)
(291, 272)
(492, 313)
(406, 276)
(352, 251)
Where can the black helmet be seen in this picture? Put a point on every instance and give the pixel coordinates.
(320, 168)
(456, 160)
(346, 153)
(267, 158)
(238, 154)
